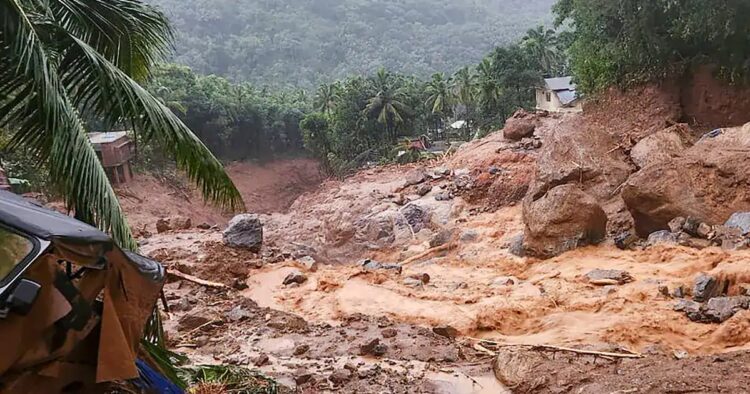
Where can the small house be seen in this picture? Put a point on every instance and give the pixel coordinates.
(115, 151)
(558, 95)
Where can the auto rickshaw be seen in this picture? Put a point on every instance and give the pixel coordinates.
(73, 305)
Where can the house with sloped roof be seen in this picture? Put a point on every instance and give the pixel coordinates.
(558, 95)
(115, 151)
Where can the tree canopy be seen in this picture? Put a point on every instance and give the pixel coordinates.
(303, 43)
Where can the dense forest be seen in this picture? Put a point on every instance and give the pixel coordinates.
(306, 42)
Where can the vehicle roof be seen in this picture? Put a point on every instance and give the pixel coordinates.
(44, 223)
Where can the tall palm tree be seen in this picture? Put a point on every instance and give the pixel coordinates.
(543, 47)
(387, 105)
(438, 95)
(488, 91)
(60, 59)
(325, 97)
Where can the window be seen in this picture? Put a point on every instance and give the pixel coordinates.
(548, 96)
(14, 249)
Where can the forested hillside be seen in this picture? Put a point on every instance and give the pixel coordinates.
(305, 42)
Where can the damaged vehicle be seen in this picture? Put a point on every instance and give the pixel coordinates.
(73, 305)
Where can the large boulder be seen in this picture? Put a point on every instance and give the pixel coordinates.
(662, 145)
(709, 183)
(245, 231)
(562, 219)
(521, 125)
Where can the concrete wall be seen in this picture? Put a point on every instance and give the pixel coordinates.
(554, 104)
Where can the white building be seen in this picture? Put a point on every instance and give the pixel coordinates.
(558, 95)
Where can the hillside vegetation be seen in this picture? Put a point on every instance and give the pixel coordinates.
(306, 42)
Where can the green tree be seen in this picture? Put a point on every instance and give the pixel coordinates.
(439, 99)
(488, 90)
(60, 59)
(543, 47)
(325, 97)
(387, 104)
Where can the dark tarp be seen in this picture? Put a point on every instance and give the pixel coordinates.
(15, 211)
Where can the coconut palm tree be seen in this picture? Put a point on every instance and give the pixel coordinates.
(488, 91)
(64, 59)
(438, 94)
(542, 46)
(387, 105)
(325, 97)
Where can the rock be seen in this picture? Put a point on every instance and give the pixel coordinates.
(707, 287)
(740, 220)
(373, 348)
(680, 354)
(414, 178)
(295, 277)
(301, 377)
(720, 309)
(704, 231)
(239, 284)
(424, 278)
(245, 231)
(691, 226)
(309, 263)
(516, 129)
(468, 236)
(399, 199)
(180, 223)
(562, 219)
(446, 331)
(182, 305)
(503, 281)
(389, 333)
(440, 172)
(676, 224)
(662, 237)
(238, 314)
(662, 146)
(692, 242)
(615, 276)
(367, 371)
(287, 322)
(423, 190)
(701, 183)
(162, 225)
(191, 322)
(340, 376)
(625, 240)
(261, 360)
(413, 282)
(204, 226)
(372, 265)
(687, 306)
(463, 182)
(664, 290)
(301, 349)
(516, 247)
(416, 216)
(443, 196)
(442, 237)
(678, 292)
(494, 170)
(744, 289)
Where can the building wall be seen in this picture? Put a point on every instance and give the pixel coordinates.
(554, 104)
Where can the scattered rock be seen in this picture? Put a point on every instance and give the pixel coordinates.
(704, 230)
(287, 322)
(373, 348)
(238, 314)
(180, 223)
(416, 216)
(516, 246)
(301, 349)
(389, 333)
(413, 282)
(664, 290)
(494, 170)
(414, 178)
(608, 277)
(707, 287)
(662, 146)
(744, 289)
(687, 306)
(182, 305)
(662, 237)
(245, 231)
(503, 281)
(680, 354)
(162, 225)
(676, 224)
(295, 277)
(443, 196)
(424, 278)
(446, 331)
(340, 376)
(302, 376)
(440, 172)
(442, 237)
(691, 242)
(740, 220)
(372, 265)
(678, 292)
(261, 360)
(469, 236)
(204, 226)
(239, 284)
(309, 263)
(516, 129)
(625, 240)
(720, 309)
(423, 190)
(691, 226)
(191, 322)
(562, 219)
